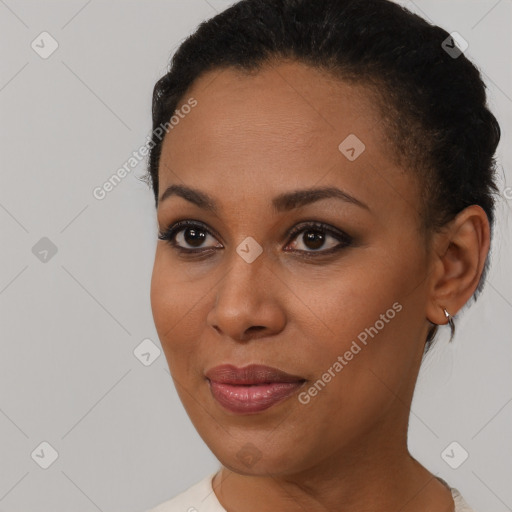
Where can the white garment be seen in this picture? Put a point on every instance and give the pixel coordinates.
(200, 497)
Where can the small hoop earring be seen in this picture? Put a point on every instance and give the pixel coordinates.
(450, 322)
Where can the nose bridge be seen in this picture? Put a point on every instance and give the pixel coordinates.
(245, 275)
(245, 297)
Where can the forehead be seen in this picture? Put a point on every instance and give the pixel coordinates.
(277, 129)
(288, 107)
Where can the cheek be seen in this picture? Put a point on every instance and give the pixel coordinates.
(369, 321)
(340, 306)
(176, 303)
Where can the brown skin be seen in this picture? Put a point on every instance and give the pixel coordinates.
(249, 139)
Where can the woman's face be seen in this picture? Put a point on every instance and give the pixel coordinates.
(341, 307)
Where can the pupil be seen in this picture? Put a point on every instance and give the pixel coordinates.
(313, 239)
(194, 236)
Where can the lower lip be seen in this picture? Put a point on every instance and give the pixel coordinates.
(251, 399)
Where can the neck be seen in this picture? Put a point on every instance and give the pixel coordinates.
(379, 474)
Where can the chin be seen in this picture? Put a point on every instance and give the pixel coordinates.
(242, 455)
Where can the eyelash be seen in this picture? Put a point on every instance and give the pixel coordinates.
(345, 240)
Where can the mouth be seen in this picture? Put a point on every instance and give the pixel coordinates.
(251, 389)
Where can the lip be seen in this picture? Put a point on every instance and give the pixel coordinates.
(251, 389)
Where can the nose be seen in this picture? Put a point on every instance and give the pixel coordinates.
(248, 303)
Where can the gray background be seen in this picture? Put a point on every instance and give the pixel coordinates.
(70, 324)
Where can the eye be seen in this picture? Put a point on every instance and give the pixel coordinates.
(188, 236)
(316, 235)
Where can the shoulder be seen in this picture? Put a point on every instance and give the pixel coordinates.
(200, 497)
(460, 503)
(197, 498)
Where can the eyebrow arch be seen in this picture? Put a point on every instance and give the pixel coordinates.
(281, 203)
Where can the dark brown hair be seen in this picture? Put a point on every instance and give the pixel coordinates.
(433, 104)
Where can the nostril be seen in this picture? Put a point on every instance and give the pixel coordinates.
(256, 327)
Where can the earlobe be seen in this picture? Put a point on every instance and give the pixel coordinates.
(459, 259)
(449, 321)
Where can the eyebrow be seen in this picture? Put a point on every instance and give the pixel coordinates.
(281, 203)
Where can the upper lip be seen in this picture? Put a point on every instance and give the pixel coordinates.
(251, 374)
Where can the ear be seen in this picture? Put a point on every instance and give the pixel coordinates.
(458, 258)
